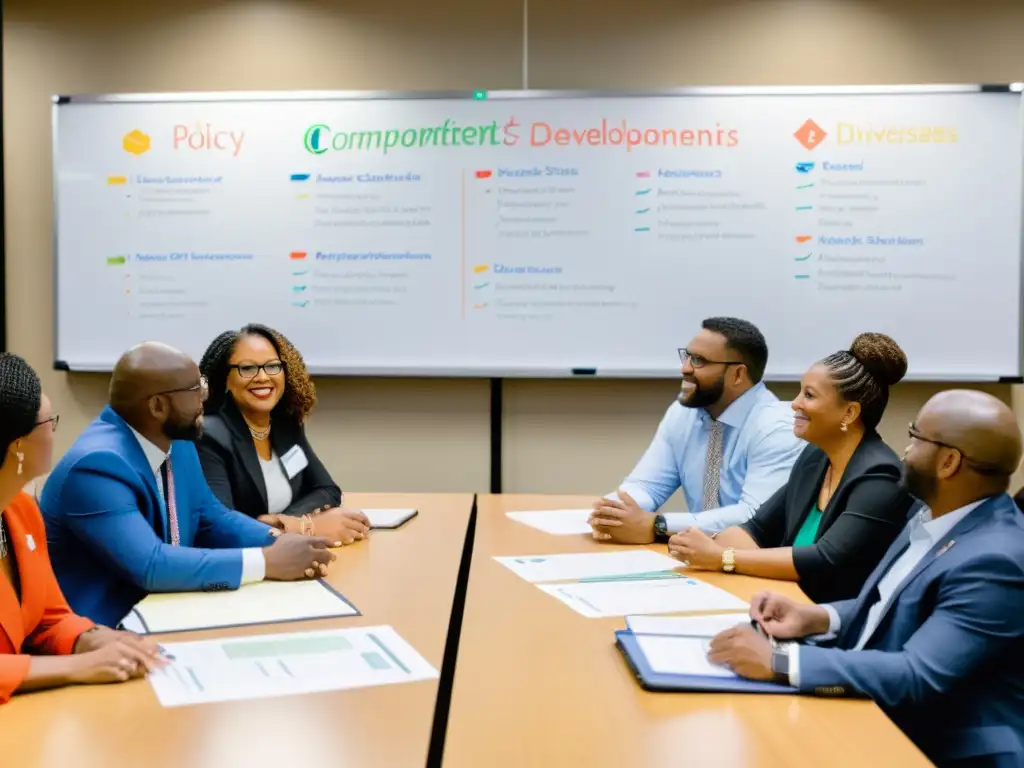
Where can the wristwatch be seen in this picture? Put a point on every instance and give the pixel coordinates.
(729, 560)
(660, 528)
(780, 664)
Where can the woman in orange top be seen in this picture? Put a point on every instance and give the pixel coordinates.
(42, 643)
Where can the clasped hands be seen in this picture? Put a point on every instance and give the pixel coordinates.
(623, 521)
(338, 525)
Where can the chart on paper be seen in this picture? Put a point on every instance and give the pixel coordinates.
(287, 664)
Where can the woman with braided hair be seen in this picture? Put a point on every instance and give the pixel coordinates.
(254, 450)
(844, 504)
(42, 643)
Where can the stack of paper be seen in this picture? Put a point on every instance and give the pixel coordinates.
(580, 566)
(598, 599)
(621, 583)
(560, 522)
(690, 626)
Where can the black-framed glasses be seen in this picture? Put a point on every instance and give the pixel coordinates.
(249, 370)
(52, 421)
(980, 467)
(202, 388)
(699, 362)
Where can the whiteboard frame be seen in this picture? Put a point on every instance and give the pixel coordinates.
(522, 372)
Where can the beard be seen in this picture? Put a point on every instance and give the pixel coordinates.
(703, 396)
(178, 428)
(918, 484)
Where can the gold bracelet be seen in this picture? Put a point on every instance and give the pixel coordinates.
(307, 525)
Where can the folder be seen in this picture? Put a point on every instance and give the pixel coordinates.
(265, 602)
(650, 680)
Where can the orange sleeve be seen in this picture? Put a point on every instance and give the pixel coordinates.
(59, 628)
(13, 671)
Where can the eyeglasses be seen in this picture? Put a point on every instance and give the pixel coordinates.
(699, 362)
(249, 370)
(202, 387)
(52, 421)
(980, 467)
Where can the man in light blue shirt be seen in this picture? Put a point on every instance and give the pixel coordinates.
(727, 441)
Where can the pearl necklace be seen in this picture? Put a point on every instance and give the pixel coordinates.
(260, 434)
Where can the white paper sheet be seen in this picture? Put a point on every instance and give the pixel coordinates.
(694, 626)
(287, 664)
(264, 602)
(387, 518)
(680, 656)
(560, 522)
(535, 568)
(600, 599)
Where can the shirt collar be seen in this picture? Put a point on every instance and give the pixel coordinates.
(939, 527)
(738, 410)
(154, 454)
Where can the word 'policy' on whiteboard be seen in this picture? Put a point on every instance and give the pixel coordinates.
(544, 234)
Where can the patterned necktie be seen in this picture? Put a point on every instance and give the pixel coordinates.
(713, 467)
(172, 507)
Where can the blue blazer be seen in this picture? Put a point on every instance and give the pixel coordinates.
(945, 661)
(105, 525)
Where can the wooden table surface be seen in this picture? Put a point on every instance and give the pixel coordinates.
(405, 578)
(539, 685)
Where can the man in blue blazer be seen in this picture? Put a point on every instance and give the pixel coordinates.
(128, 511)
(935, 636)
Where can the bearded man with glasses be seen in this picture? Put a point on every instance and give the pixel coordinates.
(727, 441)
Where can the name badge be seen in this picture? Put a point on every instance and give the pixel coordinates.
(294, 461)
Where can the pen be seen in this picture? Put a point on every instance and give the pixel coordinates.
(761, 631)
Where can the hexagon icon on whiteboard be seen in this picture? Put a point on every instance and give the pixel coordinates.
(136, 142)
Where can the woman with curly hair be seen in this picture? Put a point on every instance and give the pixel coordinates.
(254, 450)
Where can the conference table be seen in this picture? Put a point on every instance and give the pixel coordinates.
(539, 685)
(405, 578)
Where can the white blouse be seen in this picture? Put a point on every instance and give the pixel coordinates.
(279, 490)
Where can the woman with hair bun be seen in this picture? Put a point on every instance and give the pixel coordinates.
(843, 505)
(43, 644)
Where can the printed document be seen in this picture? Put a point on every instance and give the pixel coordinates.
(283, 665)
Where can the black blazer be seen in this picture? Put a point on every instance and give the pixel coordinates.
(232, 466)
(865, 514)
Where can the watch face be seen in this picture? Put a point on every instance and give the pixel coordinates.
(660, 525)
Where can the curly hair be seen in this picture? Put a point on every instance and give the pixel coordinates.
(299, 393)
(864, 374)
(21, 395)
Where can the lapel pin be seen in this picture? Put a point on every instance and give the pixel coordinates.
(30, 542)
(946, 547)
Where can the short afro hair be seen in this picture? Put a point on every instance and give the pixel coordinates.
(743, 338)
(299, 394)
(21, 395)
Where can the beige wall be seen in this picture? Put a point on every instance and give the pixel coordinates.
(560, 436)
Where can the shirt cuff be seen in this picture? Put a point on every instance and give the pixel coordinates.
(794, 664)
(834, 625)
(679, 521)
(254, 565)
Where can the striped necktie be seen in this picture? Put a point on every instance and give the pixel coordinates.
(713, 467)
(167, 476)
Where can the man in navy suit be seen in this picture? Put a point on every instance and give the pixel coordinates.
(128, 511)
(935, 636)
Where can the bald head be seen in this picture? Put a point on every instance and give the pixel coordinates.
(149, 368)
(981, 426)
(158, 391)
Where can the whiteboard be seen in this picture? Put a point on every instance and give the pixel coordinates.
(543, 233)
